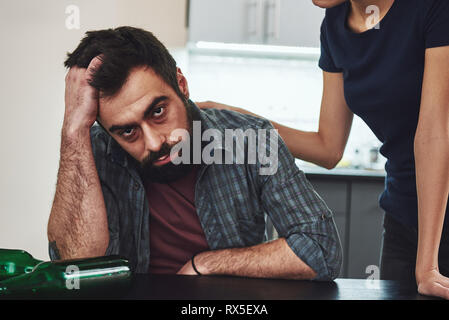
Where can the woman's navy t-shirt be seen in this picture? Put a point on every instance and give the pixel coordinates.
(383, 72)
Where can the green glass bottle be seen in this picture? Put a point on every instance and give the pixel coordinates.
(71, 277)
(15, 262)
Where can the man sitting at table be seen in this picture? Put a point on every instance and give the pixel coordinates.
(119, 190)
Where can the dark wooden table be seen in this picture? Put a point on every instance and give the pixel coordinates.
(174, 287)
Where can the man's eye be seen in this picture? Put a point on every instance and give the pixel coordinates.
(127, 132)
(158, 112)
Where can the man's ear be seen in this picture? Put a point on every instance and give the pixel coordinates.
(182, 83)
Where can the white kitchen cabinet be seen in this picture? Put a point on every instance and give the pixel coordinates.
(273, 22)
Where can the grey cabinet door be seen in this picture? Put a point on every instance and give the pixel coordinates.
(293, 23)
(365, 228)
(230, 21)
(273, 22)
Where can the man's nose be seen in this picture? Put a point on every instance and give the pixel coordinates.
(153, 139)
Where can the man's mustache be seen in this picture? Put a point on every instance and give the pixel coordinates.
(153, 156)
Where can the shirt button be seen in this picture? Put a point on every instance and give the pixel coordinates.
(136, 186)
(323, 217)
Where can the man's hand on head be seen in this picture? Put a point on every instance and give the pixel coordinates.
(78, 220)
(81, 99)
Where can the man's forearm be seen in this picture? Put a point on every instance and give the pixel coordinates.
(273, 259)
(78, 222)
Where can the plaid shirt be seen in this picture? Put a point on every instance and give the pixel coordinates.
(232, 202)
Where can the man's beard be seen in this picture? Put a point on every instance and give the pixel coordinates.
(169, 172)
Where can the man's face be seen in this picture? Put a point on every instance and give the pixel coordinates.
(142, 116)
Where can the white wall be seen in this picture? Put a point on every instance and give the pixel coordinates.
(34, 41)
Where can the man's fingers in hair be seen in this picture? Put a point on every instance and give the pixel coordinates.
(94, 64)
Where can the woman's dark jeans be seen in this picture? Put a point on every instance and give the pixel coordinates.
(398, 258)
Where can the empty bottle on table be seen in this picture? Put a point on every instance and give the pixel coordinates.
(70, 276)
(16, 262)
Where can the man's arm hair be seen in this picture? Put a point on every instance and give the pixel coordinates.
(272, 259)
(78, 220)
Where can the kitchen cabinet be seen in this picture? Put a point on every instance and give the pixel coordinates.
(365, 232)
(294, 23)
(354, 202)
(270, 22)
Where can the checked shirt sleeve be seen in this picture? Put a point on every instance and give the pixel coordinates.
(300, 216)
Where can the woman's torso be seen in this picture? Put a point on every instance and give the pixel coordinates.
(383, 72)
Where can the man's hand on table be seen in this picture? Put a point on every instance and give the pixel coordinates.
(187, 269)
(274, 259)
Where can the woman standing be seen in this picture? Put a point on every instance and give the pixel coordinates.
(395, 76)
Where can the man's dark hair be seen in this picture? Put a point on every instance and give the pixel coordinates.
(121, 50)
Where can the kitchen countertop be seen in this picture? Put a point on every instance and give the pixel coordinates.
(344, 173)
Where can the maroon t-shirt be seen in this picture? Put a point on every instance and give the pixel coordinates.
(175, 230)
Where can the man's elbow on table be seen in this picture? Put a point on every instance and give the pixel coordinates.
(324, 258)
(330, 271)
(86, 249)
(334, 268)
(333, 261)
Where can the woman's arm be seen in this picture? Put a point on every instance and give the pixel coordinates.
(432, 170)
(325, 147)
